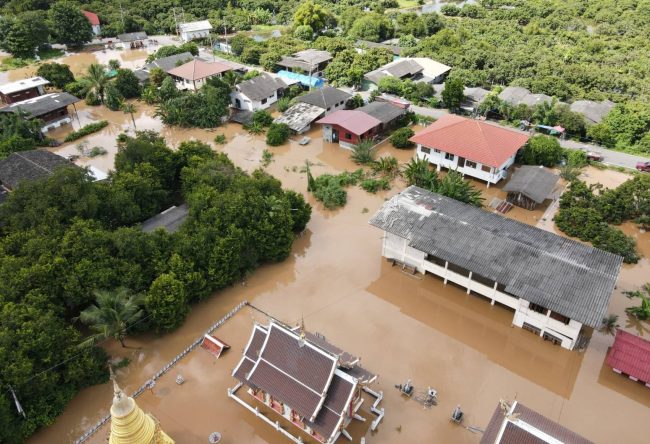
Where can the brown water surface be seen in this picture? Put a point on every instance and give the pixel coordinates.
(402, 326)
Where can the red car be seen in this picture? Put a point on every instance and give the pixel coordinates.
(593, 155)
(643, 166)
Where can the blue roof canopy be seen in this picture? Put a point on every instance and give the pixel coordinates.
(314, 82)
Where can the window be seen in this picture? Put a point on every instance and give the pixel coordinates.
(486, 168)
(561, 318)
(470, 164)
(263, 101)
(436, 151)
(348, 136)
(449, 156)
(537, 308)
(531, 328)
(426, 150)
(554, 339)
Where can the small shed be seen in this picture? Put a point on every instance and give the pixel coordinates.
(630, 355)
(530, 185)
(214, 345)
(300, 117)
(132, 40)
(195, 30)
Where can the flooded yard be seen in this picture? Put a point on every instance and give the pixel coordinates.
(402, 326)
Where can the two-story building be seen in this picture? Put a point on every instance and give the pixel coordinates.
(472, 147)
(260, 92)
(553, 284)
(311, 62)
(349, 127)
(193, 74)
(20, 90)
(304, 380)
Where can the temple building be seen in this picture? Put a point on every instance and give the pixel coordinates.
(553, 285)
(306, 380)
(130, 425)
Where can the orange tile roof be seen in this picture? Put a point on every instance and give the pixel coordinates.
(92, 17)
(472, 139)
(198, 69)
(630, 354)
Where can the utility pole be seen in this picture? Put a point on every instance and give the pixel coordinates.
(122, 15)
(175, 20)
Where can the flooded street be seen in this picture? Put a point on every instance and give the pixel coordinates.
(402, 326)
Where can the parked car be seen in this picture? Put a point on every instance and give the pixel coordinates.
(643, 166)
(594, 156)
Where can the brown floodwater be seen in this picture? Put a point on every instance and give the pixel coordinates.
(402, 326)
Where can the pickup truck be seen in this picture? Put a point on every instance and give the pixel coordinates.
(643, 166)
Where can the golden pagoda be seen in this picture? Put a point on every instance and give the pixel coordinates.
(130, 425)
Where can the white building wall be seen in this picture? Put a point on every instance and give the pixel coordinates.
(56, 123)
(251, 105)
(444, 160)
(395, 247)
(96, 29)
(191, 35)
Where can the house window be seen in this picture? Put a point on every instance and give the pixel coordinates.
(554, 339)
(486, 168)
(470, 164)
(531, 328)
(449, 156)
(561, 318)
(537, 308)
(425, 150)
(436, 151)
(348, 136)
(263, 101)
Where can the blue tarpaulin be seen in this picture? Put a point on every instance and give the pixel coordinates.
(314, 82)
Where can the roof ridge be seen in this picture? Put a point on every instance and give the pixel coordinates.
(34, 163)
(487, 144)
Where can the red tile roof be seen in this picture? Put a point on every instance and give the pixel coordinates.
(198, 69)
(92, 17)
(472, 139)
(630, 354)
(356, 122)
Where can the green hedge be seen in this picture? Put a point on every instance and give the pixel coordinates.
(88, 129)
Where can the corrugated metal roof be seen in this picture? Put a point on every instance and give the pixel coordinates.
(201, 25)
(132, 36)
(630, 354)
(555, 272)
(171, 219)
(472, 139)
(261, 86)
(382, 111)
(41, 105)
(30, 165)
(300, 116)
(324, 97)
(21, 85)
(534, 182)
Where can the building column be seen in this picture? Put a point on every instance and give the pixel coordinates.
(469, 282)
(494, 292)
(445, 274)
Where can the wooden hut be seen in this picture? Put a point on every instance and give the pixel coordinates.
(530, 186)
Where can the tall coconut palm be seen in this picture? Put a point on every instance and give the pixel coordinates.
(112, 314)
(130, 108)
(97, 79)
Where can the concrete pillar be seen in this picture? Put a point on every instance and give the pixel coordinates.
(445, 274)
(494, 291)
(469, 282)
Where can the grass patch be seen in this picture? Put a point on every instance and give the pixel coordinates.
(404, 4)
(88, 129)
(16, 62)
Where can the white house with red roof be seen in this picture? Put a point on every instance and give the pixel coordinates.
(472, 147)
(94, 21)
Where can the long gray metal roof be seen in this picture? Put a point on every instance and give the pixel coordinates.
(38, 106)
(171, 219)
(558, 273)
(534, 182)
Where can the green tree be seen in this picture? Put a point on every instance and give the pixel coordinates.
(156, 76)
(390, 85)
(373, 27)
(262, 118)
(452, 95)
(96, 79)
(453, 185)
(113, 313)
(166, 302)
(58, 74)
(363, 153)
(127, 84)
(112, 99)
(313, 15)
(400, 138)
(418, 172)
(542, 150)
(168, 89)
(641, 312)
(278, 134)
(22, 35)
(130, 108)
(303, 32)
(300, 210)
(68, 25)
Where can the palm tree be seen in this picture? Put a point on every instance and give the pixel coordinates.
(609, 324)
(418, 172)
(112, 314)
(129, 108)
(97, 79)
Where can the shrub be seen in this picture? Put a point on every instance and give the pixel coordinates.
(92, 99)
(113, 99)
(58, 74)
(363, 153)
(328, 188)
(87, 129)
(267, 158)
(283, 104)
(262, 117)
(400, 138)
(356, 101)
(278, 134)
(127, 84)
(374, 185)
(450, 10)
(576, 158)
(220, 139)
(542, 150)
(77, 89)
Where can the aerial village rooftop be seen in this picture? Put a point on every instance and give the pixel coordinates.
(405, 315)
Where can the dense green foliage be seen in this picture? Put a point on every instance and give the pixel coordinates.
(452, 95)
(348, 66)
(541, 150)
(68, 25)
(85, 130)
(58, 74)
(23, 34)
(18, 133)
(400, 138)
(127, 84)
(67, 236)
(641, 312)
(203, 109)
(586, 212)
(330, 189)
(277, 134)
